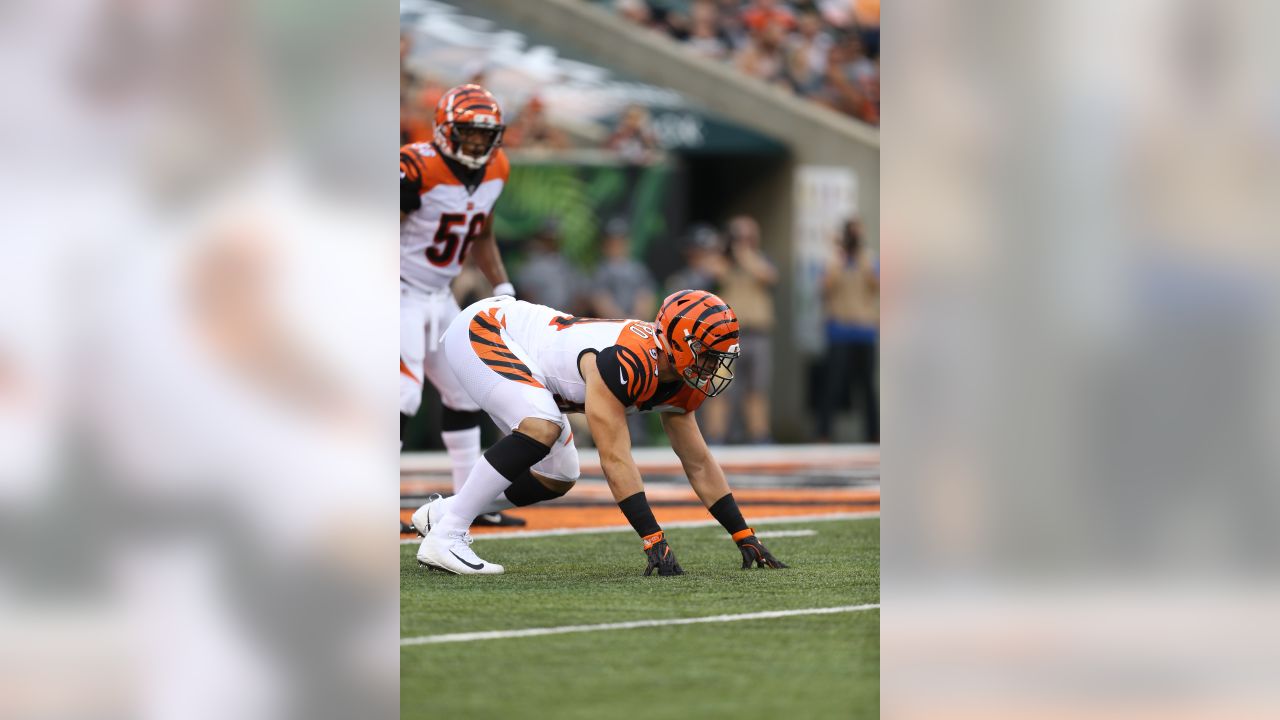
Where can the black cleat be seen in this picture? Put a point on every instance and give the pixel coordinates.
(496, 520)
(407, 528)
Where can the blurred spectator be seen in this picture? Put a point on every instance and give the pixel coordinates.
(762, 13)
(676, 23)
(787, 43)
(532, 131)
(867, 15)
(416, 117)
(729, 18)
(407, 79)
(624, 289)
(747, 286)
(637, 11)
(706, 38)
(851, 289)
(853, 80)
(622, 285)
(762, 57)
(807, 52)
(704, 262)
(634, 139)
(546, 277)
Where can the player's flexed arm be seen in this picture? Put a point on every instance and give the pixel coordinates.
(708, 481)
(489, 260)
(608, 420)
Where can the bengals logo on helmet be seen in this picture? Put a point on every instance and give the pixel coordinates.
(701, 334)
(468, 115)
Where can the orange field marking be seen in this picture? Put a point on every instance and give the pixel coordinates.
(755, 503)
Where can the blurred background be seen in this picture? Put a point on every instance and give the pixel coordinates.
(195, 317)
(1081, 474)
(716, 144)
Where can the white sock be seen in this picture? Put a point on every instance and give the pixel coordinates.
(479, 492)
(498, 504)
(464, 450)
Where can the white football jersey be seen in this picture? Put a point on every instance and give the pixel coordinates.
(443, 217)
(626, 356)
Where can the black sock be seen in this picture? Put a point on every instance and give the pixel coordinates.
(639, 514)
(526, 490)
(451, 419)
(726, 512)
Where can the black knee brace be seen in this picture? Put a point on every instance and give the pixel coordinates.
(526, 490)
(451, 419)
(513, 455)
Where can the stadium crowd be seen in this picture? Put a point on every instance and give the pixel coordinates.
(825, 50)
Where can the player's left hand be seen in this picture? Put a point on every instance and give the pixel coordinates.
(754, 552)
(661, 558)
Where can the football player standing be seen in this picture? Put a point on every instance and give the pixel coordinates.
(448, 188)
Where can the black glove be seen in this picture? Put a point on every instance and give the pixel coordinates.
(660, 556)
(754, 552)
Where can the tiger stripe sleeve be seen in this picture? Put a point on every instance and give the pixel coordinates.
(629, 375)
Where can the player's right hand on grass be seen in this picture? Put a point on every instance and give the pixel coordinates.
(660, 555)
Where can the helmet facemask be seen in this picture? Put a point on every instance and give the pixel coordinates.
(454, 147)
(711, 370)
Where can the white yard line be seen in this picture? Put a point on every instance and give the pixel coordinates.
(685, 524)
(803, 532)
(534, 632)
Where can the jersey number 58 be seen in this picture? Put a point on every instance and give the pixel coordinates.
(445, 244)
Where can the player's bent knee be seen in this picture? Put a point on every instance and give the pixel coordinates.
(531, 488)
(544, 431)
(556, 487)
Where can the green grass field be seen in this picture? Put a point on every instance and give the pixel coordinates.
(802, 667)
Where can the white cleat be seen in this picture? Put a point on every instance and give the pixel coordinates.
(429, 514)
(451, 551)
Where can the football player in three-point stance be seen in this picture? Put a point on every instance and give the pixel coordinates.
(448, 188)
(527, 365)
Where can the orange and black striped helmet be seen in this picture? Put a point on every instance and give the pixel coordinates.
(468, 107)
(700, 332)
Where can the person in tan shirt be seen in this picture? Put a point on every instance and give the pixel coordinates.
(747, 286)
(851, 291)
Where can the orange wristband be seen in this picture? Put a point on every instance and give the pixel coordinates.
(651, 540)
(743, 534)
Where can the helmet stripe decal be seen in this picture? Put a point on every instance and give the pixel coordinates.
(671, 326)
(727, 336)
(709, 312)
(702, 338)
